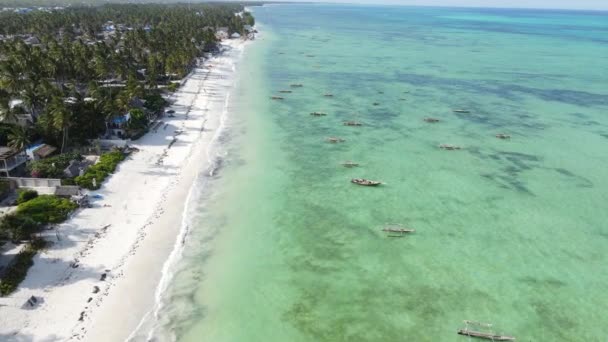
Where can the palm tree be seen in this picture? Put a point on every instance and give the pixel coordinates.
(18, 138)
(61, 118)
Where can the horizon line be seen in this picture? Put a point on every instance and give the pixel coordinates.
(278, 2)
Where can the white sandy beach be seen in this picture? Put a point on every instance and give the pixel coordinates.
(131, 231)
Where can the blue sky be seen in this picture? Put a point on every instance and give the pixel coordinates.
(561, 4)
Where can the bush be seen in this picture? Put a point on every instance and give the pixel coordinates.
(52, 167)
(172, 87)
(105, 166)
(15, 273)
(47, 209)
(26, 195)
(5, 189)
(155, 102)
(17, 227)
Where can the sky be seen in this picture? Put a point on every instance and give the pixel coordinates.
(556, 4)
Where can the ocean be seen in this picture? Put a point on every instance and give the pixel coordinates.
(513, 232)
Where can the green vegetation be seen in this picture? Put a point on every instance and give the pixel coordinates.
(88, 64)
(16, 227)
(5, 188)
(99, 172)
(52, 167)
(26, 195)
(47, 209)
(17, 271)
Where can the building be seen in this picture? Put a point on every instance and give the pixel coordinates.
(117, 126)
(77, 168)
(235, 36)
(40, 151)
(12, 162)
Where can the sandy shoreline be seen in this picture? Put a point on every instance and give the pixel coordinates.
(130, 233)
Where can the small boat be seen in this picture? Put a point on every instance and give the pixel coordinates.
(335, 140)
(402, 99)
(463, 111)
(352, 123)
(449, 147)
(365, 182)
(503, 136)
(484, 335)
(380, 92)
(296, 85)
(350, 164)
(406, 92)
(376, 103)
(431, 120)
(318, 114)
(397, 228)
(285, 91)
(328, 95)
(277, 98)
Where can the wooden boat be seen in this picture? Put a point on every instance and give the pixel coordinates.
(449, 147)
(487, 336)
(296, 85)
(365, 182)
(318, 114)
(335, 140)
(431, 120)
(463, 111)
(350, 164)
(328, 95)
(277, 98)
(285, 91)
(503, 136)
(398, 229)
(352, 123)
(483, 335)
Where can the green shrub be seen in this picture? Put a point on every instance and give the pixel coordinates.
(68, 181)
(47, 209)
(18, 227)
(172, 87)
(5, 189)
(15, 273)
(155, 102)
(26, 195)
(105, 166)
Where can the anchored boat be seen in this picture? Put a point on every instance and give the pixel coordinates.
(397, 230)
(318, 114)
(352, 123)
(463, 111)
(431, 120)
(296, 85)
(277, 98)
(365, 182)
(335, 140)
(503, 136)
(483, 335)
(449, 147)
(350, 164)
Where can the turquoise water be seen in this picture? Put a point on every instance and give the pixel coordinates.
(512, 232)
